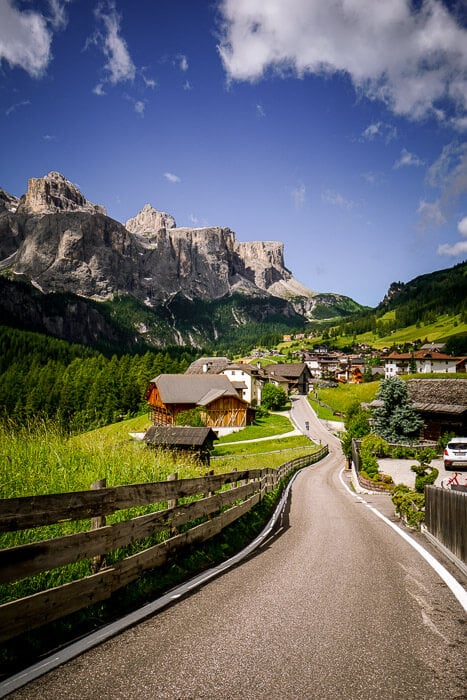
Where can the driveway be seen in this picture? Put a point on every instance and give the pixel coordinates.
(401, 472)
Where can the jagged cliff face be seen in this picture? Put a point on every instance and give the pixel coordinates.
(60, 241)
(53, 194)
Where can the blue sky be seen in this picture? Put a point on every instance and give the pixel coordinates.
(337, 127)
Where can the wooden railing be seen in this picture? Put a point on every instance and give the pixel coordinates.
(221, 498)
(446, 519)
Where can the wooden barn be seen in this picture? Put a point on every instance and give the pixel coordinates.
(196, 441)
(219, 403)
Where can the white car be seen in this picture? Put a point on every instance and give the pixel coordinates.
(455, 452)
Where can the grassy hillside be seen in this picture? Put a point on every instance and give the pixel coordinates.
(341, 397)
(439, 330)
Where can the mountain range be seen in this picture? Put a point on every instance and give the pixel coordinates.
(69, 270)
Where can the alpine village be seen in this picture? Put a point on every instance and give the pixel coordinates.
(161, 386)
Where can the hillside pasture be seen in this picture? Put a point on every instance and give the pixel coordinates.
(341, 397)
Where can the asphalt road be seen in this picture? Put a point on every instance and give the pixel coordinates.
(333, 605)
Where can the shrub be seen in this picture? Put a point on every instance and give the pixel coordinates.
(403, 452)
(444, 439)
(273, 397)
(376, 445)
(424, 476)
(409, 505)
(369, 464)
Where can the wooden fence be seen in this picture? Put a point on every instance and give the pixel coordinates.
(221, 499)
(446, 519)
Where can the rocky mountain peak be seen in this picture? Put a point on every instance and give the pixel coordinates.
(54, 194)
(150, 221)
(8, 201)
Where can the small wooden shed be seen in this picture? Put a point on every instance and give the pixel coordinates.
(196, 441)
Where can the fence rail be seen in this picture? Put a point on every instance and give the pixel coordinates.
(221, 498)
(446, 519)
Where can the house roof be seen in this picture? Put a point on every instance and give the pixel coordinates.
(422, 355)
(181, 436)
(244, 367)
(435, 395)
(288, 371)
(208, 365)
(196, 389)
(439, 395)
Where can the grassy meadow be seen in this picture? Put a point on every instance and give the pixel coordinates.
(41, 460)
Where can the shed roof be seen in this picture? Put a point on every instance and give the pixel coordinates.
(179, 436)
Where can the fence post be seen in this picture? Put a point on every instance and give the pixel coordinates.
(172, 502)
(233, 485)
(209, 493)
(98, 561)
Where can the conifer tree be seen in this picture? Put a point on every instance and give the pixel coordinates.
(396, 420)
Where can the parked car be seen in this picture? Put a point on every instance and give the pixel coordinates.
(455, 452)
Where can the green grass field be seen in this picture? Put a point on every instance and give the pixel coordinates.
(41, 460)
(343, 396)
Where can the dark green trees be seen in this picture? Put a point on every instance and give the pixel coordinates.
(396, 420)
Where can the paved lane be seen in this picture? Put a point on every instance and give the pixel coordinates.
(333, 605)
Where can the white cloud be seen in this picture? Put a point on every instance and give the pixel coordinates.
(336, 199)
(299, 195)
(430, 214)
(99, 90)
(449, 171)
(410, 57)
(17, 105)
(140, 106)
(182, 62)
(407, 159)
(448, 177)
(260, 110)
(187, 85)
(170, 177)
(459, 248)
(381, 130)
(462, 227)
(25, 39)
(119, 66)
(149, 82)
(58, 18)
(455, 250)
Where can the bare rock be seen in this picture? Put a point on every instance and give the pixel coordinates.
(53, 194)
(8, 202)
(150, 221)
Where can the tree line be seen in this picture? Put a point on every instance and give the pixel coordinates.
(80, 388)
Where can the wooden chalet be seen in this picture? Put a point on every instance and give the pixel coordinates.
(220, 405)
(293, 377)
(196, 441)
